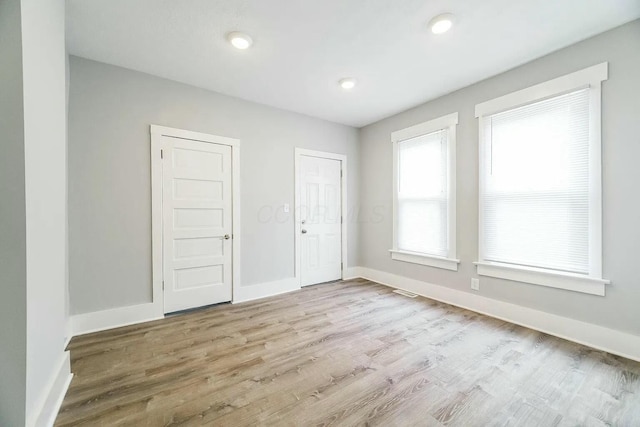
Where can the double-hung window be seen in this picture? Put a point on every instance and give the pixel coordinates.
(540, 184)
(424, 193)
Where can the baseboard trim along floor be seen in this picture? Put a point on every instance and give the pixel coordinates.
(599, 337)
(265, 290)
(610, 340)
(103, 320)
(114, 318)
(59, 383)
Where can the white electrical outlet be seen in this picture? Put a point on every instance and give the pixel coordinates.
(475, 284)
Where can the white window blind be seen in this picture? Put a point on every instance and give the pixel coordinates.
(422, 223)
(535, 184)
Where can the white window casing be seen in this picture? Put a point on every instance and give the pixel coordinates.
(424, 195)
(540, 189)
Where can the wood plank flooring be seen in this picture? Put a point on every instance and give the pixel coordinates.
(344, 353)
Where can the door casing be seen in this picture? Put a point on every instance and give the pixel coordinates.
(157, 132)
(343, 205)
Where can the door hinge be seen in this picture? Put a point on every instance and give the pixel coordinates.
(163, 285)
(341, 220)
(162, 154)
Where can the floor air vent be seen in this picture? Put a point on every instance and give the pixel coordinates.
(405, 293)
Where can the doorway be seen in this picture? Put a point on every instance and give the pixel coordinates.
(320, 224)
(195, 221)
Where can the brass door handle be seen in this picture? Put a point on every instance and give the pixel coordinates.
(227, 237)
(304, 231)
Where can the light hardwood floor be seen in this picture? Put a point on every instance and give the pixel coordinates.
(344, 353)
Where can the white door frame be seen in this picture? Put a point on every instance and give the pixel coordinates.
(343, 203)
(157, 132)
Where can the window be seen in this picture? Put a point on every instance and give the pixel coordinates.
(540, 191)
(424, 193)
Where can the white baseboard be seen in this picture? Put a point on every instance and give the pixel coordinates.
(612, 341)
(616, 342)
(263, 290)
(124, 316)
(48, 409)
(351, 273)
(68, 332)
(114, 318)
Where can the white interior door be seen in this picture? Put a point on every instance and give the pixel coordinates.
(197, 223)
(320, 215)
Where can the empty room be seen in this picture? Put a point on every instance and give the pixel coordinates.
(314, 213)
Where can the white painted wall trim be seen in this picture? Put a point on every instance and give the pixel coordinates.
(124, 316)
(57, 388)
(298, 223)
(424, 259)
(543, 277)
(114, 318)
(588, 77)
(68, 333)
(157, 132)
(610, 340)
(351, 273)
(592, 78)
(449, 262)
(425, 128)
(264, 290)
(156, 223)
(195, 136)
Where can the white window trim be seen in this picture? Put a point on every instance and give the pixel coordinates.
(424, 259)
(446, 122)
(543, 277)
(593, 283)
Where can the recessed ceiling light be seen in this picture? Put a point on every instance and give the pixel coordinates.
(347, 83)
(239, 40)
(441, 23)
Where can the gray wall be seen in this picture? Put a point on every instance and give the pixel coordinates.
(13, 269)
(110, 109)
(621, 176)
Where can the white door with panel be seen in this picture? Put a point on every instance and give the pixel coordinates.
(197, 223)
(321, 220)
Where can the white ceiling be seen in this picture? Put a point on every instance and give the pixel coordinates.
(303, 47)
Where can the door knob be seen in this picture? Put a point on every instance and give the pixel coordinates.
(304, 231)
(227, 237)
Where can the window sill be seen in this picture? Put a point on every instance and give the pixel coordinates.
(423, 259)
(540, 276)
